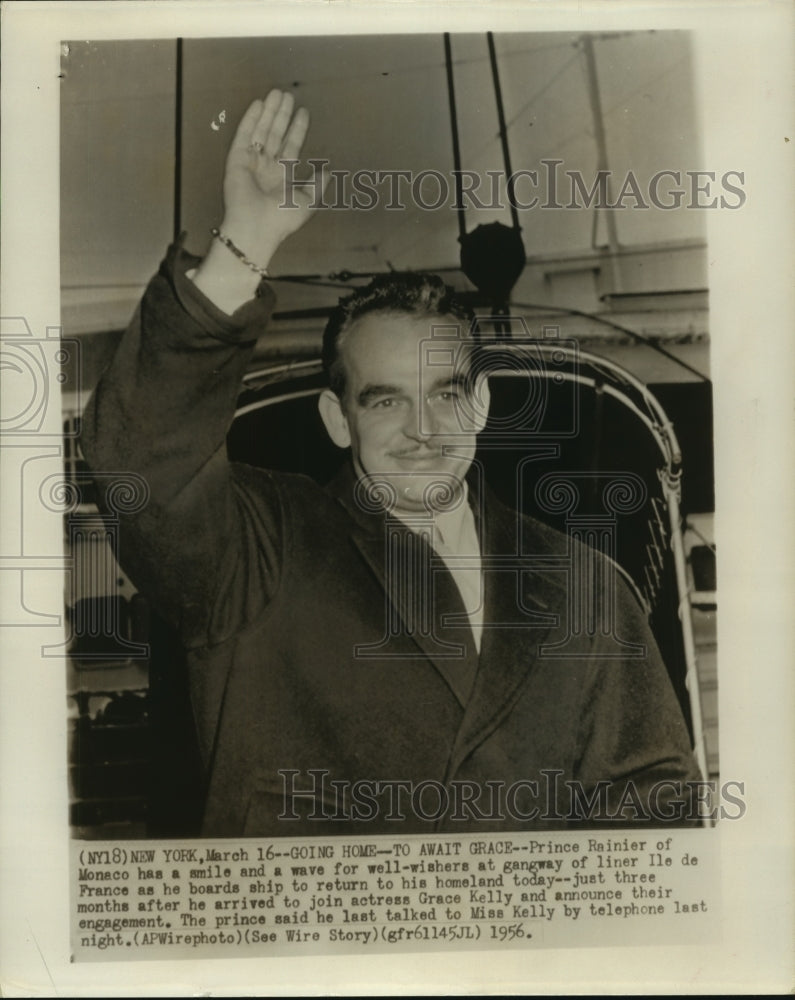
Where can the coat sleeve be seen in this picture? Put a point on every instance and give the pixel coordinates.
(633, 736)
(205, 549)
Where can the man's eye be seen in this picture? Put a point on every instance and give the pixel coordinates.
(384, 404)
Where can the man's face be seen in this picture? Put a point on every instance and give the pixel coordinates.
(406, 412)
(406, 409)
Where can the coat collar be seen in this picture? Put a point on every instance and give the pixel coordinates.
(372, 540)
(521, 604)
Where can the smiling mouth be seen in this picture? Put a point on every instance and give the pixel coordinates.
(420, 457)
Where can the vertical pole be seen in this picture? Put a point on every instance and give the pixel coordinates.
(691, 660)
(601, 151)
(178, 143)
(448, 59)
(506, 154)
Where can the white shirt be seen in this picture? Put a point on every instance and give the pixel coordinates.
(455, 539)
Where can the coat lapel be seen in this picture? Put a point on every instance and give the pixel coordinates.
(521, 606)
(397, 559)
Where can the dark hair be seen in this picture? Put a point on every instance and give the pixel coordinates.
(413, 293)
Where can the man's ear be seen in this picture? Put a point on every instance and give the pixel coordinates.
(334, 419)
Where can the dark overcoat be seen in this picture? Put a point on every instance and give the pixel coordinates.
(320, 705)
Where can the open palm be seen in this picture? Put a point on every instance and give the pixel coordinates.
(256, 209)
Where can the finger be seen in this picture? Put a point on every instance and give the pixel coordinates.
(245, 129)
(273, 143)
(296, 134)
(270, 107)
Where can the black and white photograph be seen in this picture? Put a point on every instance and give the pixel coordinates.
(410, 295)
(370, 522)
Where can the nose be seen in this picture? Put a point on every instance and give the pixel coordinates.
(420, 423)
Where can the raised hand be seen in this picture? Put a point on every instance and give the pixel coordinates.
(259, 214)
(254, 183)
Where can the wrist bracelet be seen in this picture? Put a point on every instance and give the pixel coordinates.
(262, 271)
